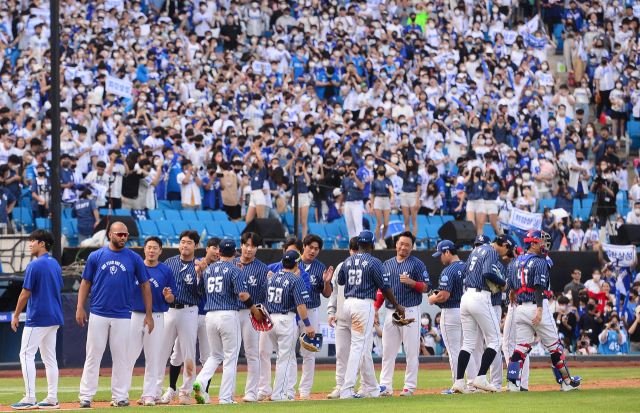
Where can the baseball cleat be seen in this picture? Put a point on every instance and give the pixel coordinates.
(406, 392)
(357, 396)
(84, 404)
(481, 382)
(460, 387)
(363, 392)
(573, 385)
(513, 387)
(335, 394)
(386, 392)
(304, 397)
(185, 400)
(448, 391)
(140, 401)
(169, 395)
(122, 403)
(523, 389)
(25, 404)
(262, 396)
(149, 401)
(47, 404)
(249, 399)
(199, 393)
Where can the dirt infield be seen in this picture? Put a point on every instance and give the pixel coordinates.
(139, 371)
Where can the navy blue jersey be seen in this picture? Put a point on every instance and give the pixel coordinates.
(113, 275)
(43, 277)
(277, 266)
(405, 294)
(362, 275)
(350, 190)
(380, 188)
(483, 260)
(490, 196)
(184, 273)
(411, 183)
(221, 283)
(285, 292)
(315, 269)
(474, 190)
(496, 298)
(512, 268)
(255, 275)
(160, 277)
(451, 280)
(257, 178)
(531, 271)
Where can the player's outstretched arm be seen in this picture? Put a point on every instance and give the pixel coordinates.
(302, 312)
(83, 293)
(388, 294)
(248, 302)
(327, 276)
(148, 305)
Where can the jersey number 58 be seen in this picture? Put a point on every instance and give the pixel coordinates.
(275, 295)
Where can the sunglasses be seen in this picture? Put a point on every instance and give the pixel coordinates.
(121, 234)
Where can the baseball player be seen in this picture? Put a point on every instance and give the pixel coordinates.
(175, 361)
(448, 299)
(509, 331)
(266, 348)
(162, 285)
(409, 279)
(286, 293)
(362, 275)
(223, 283)
(255, 275)
(110, 275)
(496, 303)
(319, 277)
(181, 321)
(41, 295)
(528, 284)
(476, 310)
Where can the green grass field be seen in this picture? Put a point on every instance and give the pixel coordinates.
(620, 399)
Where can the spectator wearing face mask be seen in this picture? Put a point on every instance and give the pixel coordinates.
(566, 320)
(633, 217)
(613, 339)
(41, 194)
(591, 322)
(576, 236)
(595, 283)
(606, 190)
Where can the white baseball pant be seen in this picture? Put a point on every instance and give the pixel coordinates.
(308, 357)
(101, 329)
(181, 324)
(43, 338)
(266, 349)
(525, 330)
(476, 311)
(223, 329)
(509, 344)
(343, 342)
(359, 315)
(139, 339)
(496, 366)
(203, 343)
(392, 338)
(353, 217)
(451, 328)
(283, 338)
(251, 343)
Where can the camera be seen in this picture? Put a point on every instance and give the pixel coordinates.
(614, 326)
(199, 168)
(583, 342)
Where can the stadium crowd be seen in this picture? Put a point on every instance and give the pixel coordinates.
(377, 107)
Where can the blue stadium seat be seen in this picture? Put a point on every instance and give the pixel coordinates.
(66, 213)
(344, 231)
(447, 218)
(319, 230)
(219, 216)
(422, 220)
(436, 219)
(241, 226)
(488, 231)
(213, 229)
(103, 211)
(156, 215)
(188, 215)
(230, 230)
(122, 212)
(550, 203)
(197, 226)
(172, 215)
(342, 243)
(203, 215)
(166, 230)
(43, 223)
(333, 230)
(164, 204)
(177, 205)
(180, 226)
(24, 217)
(147, 228)
(312, 215)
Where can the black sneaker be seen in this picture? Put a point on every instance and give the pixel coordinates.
(571, 386)
(85, 404)
(123, 403)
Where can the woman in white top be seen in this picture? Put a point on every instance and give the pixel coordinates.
(576, 236)
(582, 96)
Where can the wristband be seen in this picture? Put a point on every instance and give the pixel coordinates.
(306, 322)
(419, 286)
(248, 302)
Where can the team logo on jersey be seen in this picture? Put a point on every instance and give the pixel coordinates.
(225, 270)
(286, 283)
(188, 279)
(312, 279)
(217, 269)
(364, 263)
(113, 269)
(184, 267)
(425, 274)
(253, 281)
(444, 279)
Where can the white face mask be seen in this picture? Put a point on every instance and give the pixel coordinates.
(519, 181)
(394, 159)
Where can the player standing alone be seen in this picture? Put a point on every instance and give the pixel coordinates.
(476, 310)
(528, 285)
(362, 275)
(110, 276)
(162, 286)
(41, 295)
(409, 280)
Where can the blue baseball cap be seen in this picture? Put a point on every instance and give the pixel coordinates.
(443, 246)
(366, 237)
(227, 246)
(511, 243)
(291, 258)
(482, 240)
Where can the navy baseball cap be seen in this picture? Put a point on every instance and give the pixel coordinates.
(290, 258)
(227, 246)
(482, 240)
(366, 237)
(443, 246)
(511, 243)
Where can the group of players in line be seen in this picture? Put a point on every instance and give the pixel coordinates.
(166, 308)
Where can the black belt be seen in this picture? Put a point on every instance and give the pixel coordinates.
(479, 290)
(178, 306)
(524, 302)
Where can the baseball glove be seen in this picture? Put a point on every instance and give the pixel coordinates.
(311, 344)
(435, 291)
(266, 324)
(400, 321)
(492, 286)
